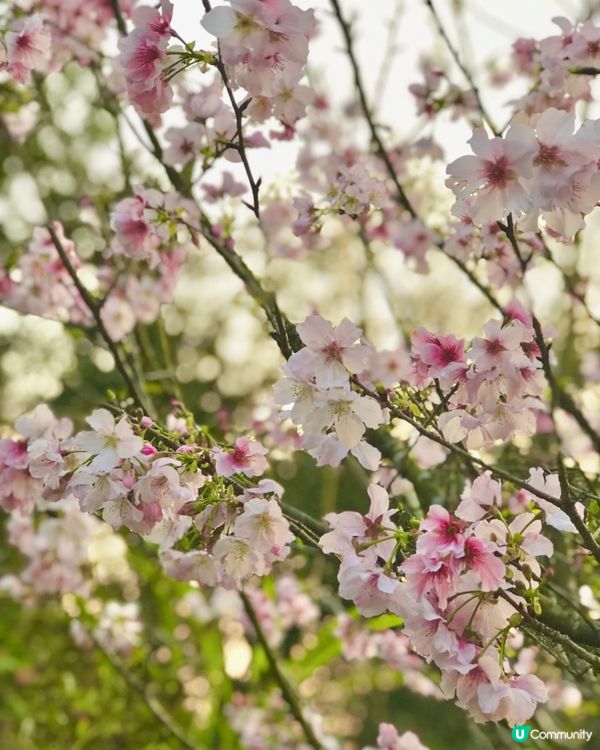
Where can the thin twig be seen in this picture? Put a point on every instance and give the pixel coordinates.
(375, 137)
(94, 310)
(286, 687)
(464, 70)
(238, 111)
(401, 196)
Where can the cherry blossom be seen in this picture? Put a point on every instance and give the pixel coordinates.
(495, 173)
(389, 739)
(27, 47)
(330, 352)
(261, 40)
(247, 457)
(466, 437)
(109, 441)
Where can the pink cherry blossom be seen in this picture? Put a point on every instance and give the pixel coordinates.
(431, 575)
(109, 442)
(247, 457)
(444, 534)
(132, 227)
(550, 485)
(263, 525)
(478, 499)
(370, 589)
(350, 528)
(515, 700)
(484, 559)
(495, 173)
(238, 559)
(389, 739)
(440, 357)
(28, 47)
(330, 353)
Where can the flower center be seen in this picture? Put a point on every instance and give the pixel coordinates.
(494, 347)
(548, 156)
(333, 350)
(498, 173)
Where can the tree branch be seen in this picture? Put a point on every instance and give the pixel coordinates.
(401, 196)
(95, 311)
(284, 684)
(464, 70)
(376, 139)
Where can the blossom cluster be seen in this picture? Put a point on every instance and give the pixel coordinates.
(150, 229)
(266, 724)
(340, 181)
(354, 191)
(57, 550)
(25, 48)
(318, 394)
(437, 94)
(38, 282)
(119, 628)
(291, 607)
(543, 173)
(460, 593)
(389, 739)
(264, 47)
(493, 389)
(195, 501)
(53, 32)
(144, 61)
(391, 646)
(553, 64)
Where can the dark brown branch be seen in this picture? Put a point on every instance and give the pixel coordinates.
(121, 26)
(584, 71)
(380, 149)
(241, 145)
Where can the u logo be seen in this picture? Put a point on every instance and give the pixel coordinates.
(521, 732)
